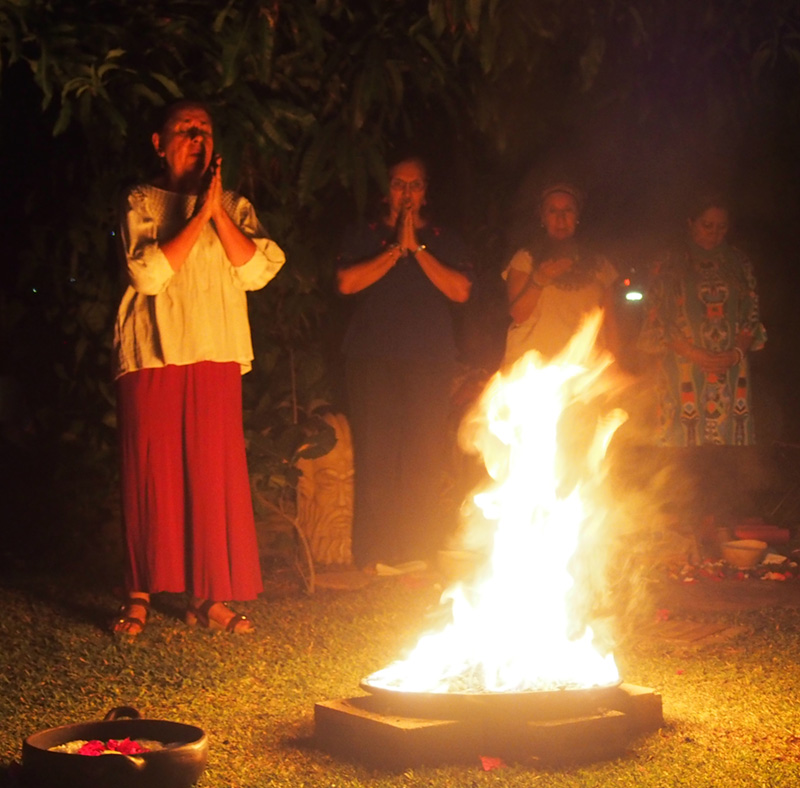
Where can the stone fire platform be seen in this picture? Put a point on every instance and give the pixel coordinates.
(365, 729)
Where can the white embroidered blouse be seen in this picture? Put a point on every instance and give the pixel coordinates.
(198, 313)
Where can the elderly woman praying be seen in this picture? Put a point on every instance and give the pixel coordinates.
(182, 342)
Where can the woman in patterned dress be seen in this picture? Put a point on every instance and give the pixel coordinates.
(702, 322)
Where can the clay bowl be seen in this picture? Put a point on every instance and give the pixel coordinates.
(744, 553)
(178, 765)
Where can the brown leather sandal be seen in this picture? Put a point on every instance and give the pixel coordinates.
(200, 615)
(127, 625)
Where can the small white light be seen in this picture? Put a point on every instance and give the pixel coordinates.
(633, 295)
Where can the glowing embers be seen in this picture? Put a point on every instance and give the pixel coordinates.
(522, 625)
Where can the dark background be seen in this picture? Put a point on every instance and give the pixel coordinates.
(635, 100)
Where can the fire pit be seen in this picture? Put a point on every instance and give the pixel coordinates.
(397, 732)
(517, 672)
(544, 705)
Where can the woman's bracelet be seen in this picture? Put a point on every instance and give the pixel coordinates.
(739, 354)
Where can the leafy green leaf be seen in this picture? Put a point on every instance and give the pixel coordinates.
(169, 84)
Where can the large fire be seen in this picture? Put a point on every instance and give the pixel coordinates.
(514, 628)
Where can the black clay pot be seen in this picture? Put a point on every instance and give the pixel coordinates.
(179, 765)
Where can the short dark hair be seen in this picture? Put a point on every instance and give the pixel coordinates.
(704, 198)
(409, 158)
(165, 114)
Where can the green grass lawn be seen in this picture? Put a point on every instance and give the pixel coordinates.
(732, 716)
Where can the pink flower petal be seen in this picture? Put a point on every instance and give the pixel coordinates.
(93, 747)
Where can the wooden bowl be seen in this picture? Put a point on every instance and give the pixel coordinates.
(744, 553)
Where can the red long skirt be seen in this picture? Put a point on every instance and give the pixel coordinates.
(187, 510)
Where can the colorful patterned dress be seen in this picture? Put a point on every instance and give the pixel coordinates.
(707, 298)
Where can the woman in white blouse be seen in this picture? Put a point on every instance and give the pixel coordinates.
(181, 344)
(554, 282)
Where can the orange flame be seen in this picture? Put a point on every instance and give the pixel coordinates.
(512, 630)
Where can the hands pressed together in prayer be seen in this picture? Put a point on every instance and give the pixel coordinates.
(406, 196)
(406, 232)
(238, 247)
(406, 243)
(209, 199)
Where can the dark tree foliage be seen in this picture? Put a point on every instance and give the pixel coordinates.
(310, 98)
